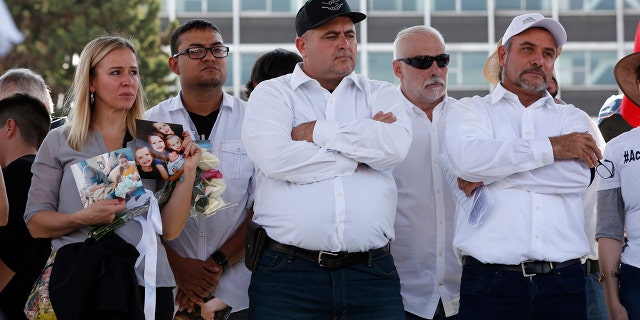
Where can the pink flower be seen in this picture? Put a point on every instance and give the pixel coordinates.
(211, 174)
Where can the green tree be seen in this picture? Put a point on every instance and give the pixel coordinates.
(57, 30)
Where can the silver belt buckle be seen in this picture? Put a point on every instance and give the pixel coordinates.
(328, 253)
(524, 269)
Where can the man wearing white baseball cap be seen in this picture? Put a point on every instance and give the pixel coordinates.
(530, 158)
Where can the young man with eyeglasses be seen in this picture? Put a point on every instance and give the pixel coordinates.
(531, 157)
(205, 257)
(423, 248)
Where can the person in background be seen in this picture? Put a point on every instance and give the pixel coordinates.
(324, 140)
(423, 249)
(207, 257)
(24, 123)
(21, 80)
(4, 203)
(272, 64)
(618, 207)
(596, 306)
(620, 114)
(529, 159)
(107, 98)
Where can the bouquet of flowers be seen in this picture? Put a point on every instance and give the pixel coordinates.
(206, 197)
(208, 187)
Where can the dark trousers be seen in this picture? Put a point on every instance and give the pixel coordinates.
(490, 293)
(285, 287)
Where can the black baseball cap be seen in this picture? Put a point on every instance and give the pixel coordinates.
(317, 12)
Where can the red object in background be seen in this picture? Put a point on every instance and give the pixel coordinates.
(629, 110)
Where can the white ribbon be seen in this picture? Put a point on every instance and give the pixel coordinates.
(148, 247)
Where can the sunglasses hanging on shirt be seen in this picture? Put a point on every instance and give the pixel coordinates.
(425, 62)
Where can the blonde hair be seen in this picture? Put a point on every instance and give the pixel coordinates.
(81, 108)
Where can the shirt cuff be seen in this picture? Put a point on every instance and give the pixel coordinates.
(542, 151)
(324, 134)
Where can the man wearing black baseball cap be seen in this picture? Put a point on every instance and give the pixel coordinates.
(323, 139)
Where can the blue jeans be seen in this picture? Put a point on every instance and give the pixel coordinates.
(630, 290)
(491, 293)
(596, 306)
(288, 287)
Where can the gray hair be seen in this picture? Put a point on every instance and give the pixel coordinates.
(25, 81)
(410, 31)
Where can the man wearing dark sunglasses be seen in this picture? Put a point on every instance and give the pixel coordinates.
(521, 259)
(423, 252)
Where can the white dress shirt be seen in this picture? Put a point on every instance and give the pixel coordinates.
(200, 238)
(537, 211)
(337, 192)
(423, 248)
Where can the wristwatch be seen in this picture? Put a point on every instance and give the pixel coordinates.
(220, 259)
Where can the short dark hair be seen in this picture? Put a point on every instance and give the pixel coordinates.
(195, 24)
(272, 64)
(29, 113)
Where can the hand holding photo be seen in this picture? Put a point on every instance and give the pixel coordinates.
(158, 150)
(107, 176)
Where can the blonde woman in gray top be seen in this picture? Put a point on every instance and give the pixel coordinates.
(107, 98)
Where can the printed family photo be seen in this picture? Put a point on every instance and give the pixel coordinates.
(107, 176)
(158, 150)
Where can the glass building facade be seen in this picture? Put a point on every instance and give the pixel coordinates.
(600, 32)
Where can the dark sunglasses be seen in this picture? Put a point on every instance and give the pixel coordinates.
(425, 62)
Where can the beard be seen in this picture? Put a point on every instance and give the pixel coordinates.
(435, 92)
(536, 86)
(210, 83)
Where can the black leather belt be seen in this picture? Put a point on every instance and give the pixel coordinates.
(528, 268)
(327, 259)
(591, 266)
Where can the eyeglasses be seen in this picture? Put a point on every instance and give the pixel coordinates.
(201, 52)
(605, 169)
(425, 62)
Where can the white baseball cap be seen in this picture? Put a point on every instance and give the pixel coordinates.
(530, 20)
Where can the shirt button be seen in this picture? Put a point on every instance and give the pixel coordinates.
(201, 234)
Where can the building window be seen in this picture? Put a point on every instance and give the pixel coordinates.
(587, 5)
(465, 69)
(396, 5)
(458, 5)
(587, 68)
(380, 67)
(219, 5)
(248, 60)
(269, 5)
(188, 6)
(523, 4)
(631, 4)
